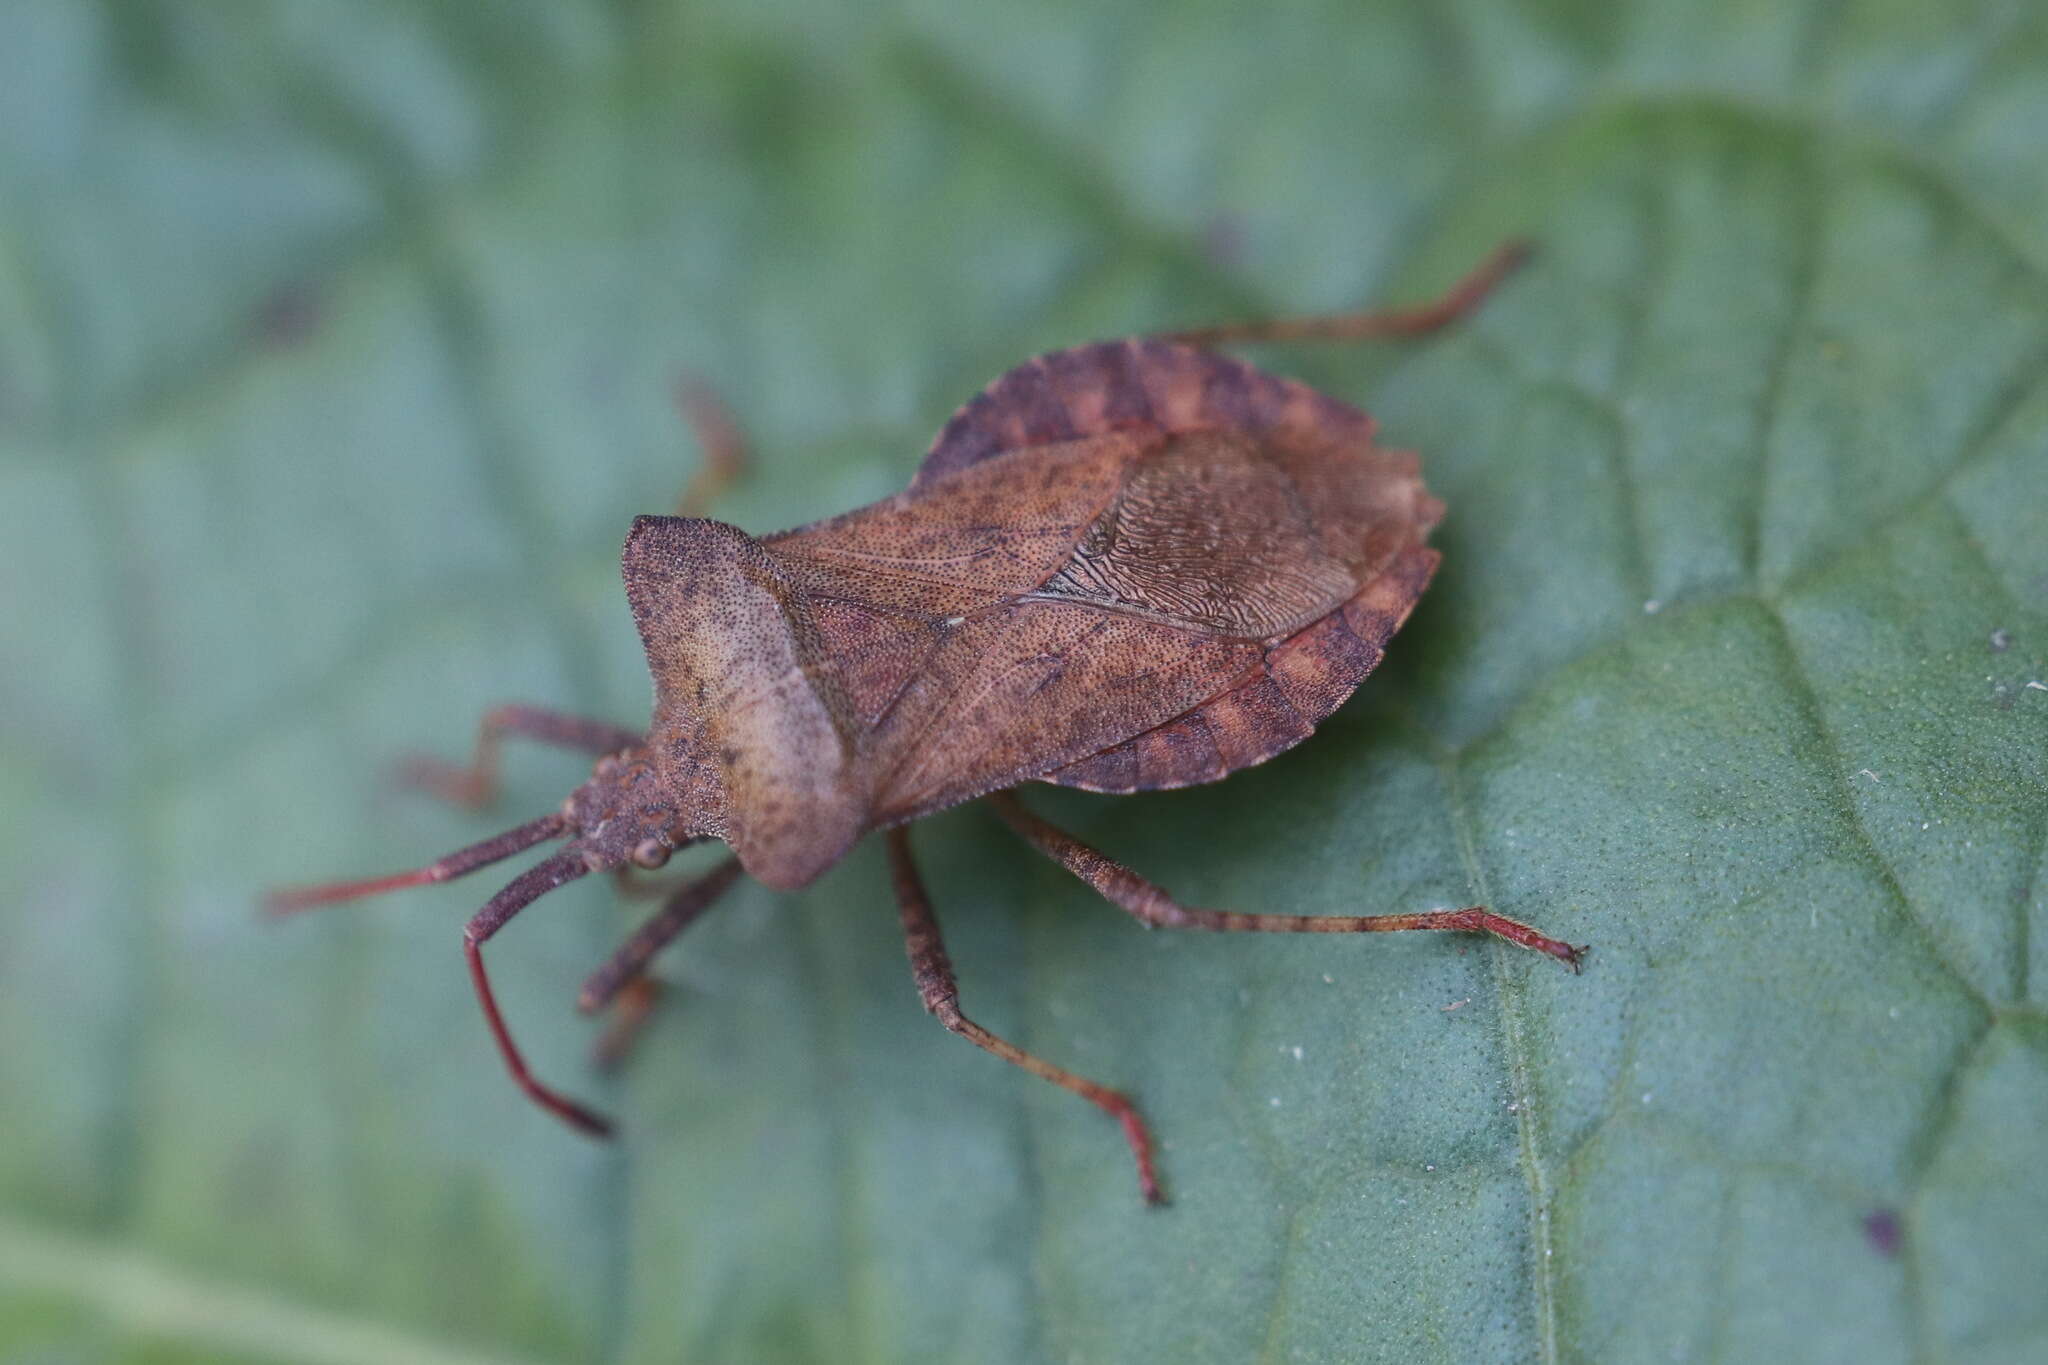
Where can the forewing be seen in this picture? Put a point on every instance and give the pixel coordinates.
(957, 544)
(1031, 686)
(1317, 544)
(887, 584)
(1119, 566)
(1199, 624)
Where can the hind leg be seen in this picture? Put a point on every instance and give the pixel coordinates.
(1124, 888)
(1460, 299)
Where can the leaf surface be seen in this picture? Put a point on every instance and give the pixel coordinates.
(335, 358)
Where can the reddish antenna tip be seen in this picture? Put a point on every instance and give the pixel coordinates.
(306, 897)
(292, 899)
(584, 1121)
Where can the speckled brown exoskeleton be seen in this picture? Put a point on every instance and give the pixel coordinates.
(1124, 567)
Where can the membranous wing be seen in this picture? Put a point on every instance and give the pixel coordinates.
(1206, 534)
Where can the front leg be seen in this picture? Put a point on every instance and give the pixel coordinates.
(718, 438)
(475, 784)
(624, 977)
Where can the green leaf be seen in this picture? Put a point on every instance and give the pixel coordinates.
(336, 346)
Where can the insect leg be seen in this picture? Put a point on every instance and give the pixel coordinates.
(517, 894)
(630, 961)
(476, 783)
(1123, 887)
(624, 976)
(934, 973)
(718, 437)
(1460, 299)
(637, 1000)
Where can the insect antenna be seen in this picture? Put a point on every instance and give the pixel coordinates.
(528, 887)
(460, 863)
(522, 891)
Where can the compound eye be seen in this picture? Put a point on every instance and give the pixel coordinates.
(651, 854)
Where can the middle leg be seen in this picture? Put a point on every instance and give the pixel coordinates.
(934, 972)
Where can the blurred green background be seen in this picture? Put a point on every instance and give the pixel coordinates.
(336, 346)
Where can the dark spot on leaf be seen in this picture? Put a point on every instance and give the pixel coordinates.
(290, 315)
(1223, 241)
(1881, 1227)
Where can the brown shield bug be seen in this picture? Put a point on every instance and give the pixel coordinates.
(1124, 567)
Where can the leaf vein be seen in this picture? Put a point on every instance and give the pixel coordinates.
(1528, 1132)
